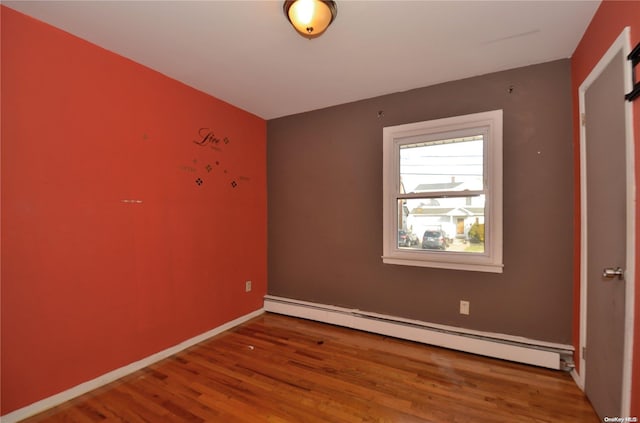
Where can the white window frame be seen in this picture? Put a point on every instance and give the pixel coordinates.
(489, 123)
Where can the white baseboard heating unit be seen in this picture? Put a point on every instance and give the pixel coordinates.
(505, 347)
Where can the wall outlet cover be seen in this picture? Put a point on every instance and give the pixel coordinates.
(464, 307)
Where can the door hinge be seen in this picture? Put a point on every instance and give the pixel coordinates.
(584, 353)
(583, 119)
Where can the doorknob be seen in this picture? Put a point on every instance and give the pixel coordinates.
(611, 273)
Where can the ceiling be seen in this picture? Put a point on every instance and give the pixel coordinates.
(247, 54)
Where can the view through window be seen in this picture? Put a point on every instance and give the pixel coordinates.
(445, 211)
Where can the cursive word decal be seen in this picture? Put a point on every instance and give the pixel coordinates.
(207, 138)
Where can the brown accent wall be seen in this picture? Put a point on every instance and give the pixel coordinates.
(325, 207)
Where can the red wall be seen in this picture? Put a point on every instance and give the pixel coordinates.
(606, 26)
(92, 281)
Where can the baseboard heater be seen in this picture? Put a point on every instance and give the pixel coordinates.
(505, 347)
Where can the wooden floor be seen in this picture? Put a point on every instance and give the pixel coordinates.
(280, 369)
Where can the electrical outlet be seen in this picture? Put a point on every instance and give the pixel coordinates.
(464, 307)
(247, 286)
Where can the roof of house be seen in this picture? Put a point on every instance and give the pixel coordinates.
(437, 187)
(448, 211)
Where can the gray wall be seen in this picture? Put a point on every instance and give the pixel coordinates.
(325, 207)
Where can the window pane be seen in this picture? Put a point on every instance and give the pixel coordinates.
(442, 165)
(442, 224)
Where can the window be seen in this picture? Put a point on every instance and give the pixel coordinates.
(442, 189)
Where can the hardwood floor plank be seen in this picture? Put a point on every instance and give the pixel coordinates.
(284, 370)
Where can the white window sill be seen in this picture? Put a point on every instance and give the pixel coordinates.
(476, 267)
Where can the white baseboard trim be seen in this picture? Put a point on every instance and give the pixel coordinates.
(577, 378)
(83, 388)
(502, 346)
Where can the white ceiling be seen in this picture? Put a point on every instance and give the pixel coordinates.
(246, 53)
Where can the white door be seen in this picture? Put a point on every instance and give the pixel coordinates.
(606, 235)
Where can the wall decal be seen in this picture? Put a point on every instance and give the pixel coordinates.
(207, 138)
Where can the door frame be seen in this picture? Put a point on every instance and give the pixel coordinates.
(622, 43)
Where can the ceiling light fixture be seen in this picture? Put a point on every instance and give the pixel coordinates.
(310, 17)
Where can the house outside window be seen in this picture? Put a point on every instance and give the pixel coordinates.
(443, 193)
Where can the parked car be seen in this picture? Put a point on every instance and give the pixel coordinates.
(407, 238)
(434, 239)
